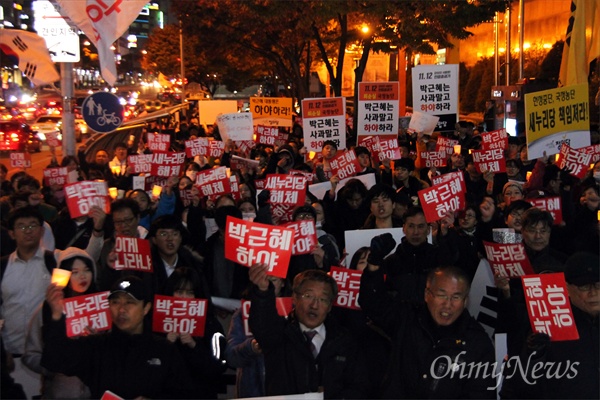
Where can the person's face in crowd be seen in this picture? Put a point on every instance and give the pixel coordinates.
(399, 210)
(512, 170)
(185, 183)
(304, 216)
(247, 207)
(167, 241)
(554, 184)
(245, 191)
(382, 207)
(320, 212)
(121, 153)
(513, 151)
(511, 194)
(128, 313)
(590, 199)
(312, 303)
(472, 170)
(362, 262)
(364, 160)
(524, 155)
(416, 229)
(186, 291)
(101, 157)
(446, 298)
(468, 220)
(404, 152)
(537, 236)
(81, 277)
(513, 220)
(27, 233)
(401, 173)
(35, 198)
(224, 201)
(72, 166)
(586, 297)
(141, 199)
(458, 161)
(355, 201)
(328, 152)
(125, 222)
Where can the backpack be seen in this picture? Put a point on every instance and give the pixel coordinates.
(49, 260)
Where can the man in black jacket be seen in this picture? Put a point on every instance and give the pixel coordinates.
(129, 360)
(308, 351)
(438, 349)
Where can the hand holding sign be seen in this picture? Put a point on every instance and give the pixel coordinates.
(258, 276)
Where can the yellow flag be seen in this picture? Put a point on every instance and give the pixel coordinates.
(582, 44)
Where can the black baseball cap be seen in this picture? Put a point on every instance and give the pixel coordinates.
(582, 268)
(133, 286)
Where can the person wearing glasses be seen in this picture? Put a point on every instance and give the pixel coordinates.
(581, 356)
(307, 351)
(24, 277)
(433, 344)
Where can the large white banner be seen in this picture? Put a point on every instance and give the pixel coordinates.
(435, 92)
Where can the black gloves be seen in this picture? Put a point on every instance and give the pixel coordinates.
(538, 342)
(380, 247)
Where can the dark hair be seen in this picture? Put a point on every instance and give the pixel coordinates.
(472, 207)
(121, 145)
(67, 159)
(517, 205)
(222, 213)
(121, 204)
(380, 189)
(30, 181)
(407, 163)
(449, 271)
(180, 278)
(315, 275)
(68, 265)
(534, 215)
(351, 187)
(222, 197)
(18, 176)
(361, 150)
(141, 191)
(24, 212)
(168, 221)
(358, 255)
(3, 168)
(412, 211)
(304, 209)
(195, 166)
(550, 173)
(249, 200)
(331, 143)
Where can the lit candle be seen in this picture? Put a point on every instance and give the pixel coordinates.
(115, 170)
(156, 190)
(311, 155)
(60, 277)
(457, 149)
(112, 192)
(556, 157)
(528, 176)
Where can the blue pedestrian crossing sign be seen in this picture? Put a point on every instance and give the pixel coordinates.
(102, 112)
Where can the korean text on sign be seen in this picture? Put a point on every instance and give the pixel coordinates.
(378, 105)
(575, 161)
(441, 199)
(159, 142)
(497, 139)
(213, 182)
(324, 119)
(266, 135)
(140, 163)
(489, 160)
(348, 281)
(90, 310)
(172, 314)
(55, 176)
(248, 243)
(271, 111)
(283, 305)
(508, 259)
(445, 145)
(548, 306)
(388, 147)
(133, 254)
(305, 236)
(20, 160)
(81, 196)
(433, 159)
(551, 204)
(345, 164)
(286, 189)
(167, 164)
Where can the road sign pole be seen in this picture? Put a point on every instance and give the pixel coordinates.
(68, 122)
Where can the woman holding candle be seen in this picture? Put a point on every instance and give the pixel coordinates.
(81, 282)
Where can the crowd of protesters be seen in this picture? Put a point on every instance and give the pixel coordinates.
(413, 294)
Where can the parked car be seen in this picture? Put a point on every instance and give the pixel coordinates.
(18, 136)
(53, 123)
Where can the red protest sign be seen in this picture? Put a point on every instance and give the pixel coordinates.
(81, 196)
(440, 199)
(133, 254)
(213, 182)
(433, 159)
(497, 139)
(248, 243)
(266, 135)
(489, 160)
(548, 306)
(551, 204)
(140, 163)
(173, 314)
(260, 183)
(20, 160)
(158, 142)
(371, 143)
(283, 305)
(282, 213)
(167, 164)
(305, 236)
(594, 150)
(90, 310)
(108, 395)
(196, 147)
(286, 189)
(445, 146)
(348, 281)
(344, 164)
(575, 161)
(52, 139)
(235, 187)
(310, 176)
(55, 176)
(508, 259)
(388, 147)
